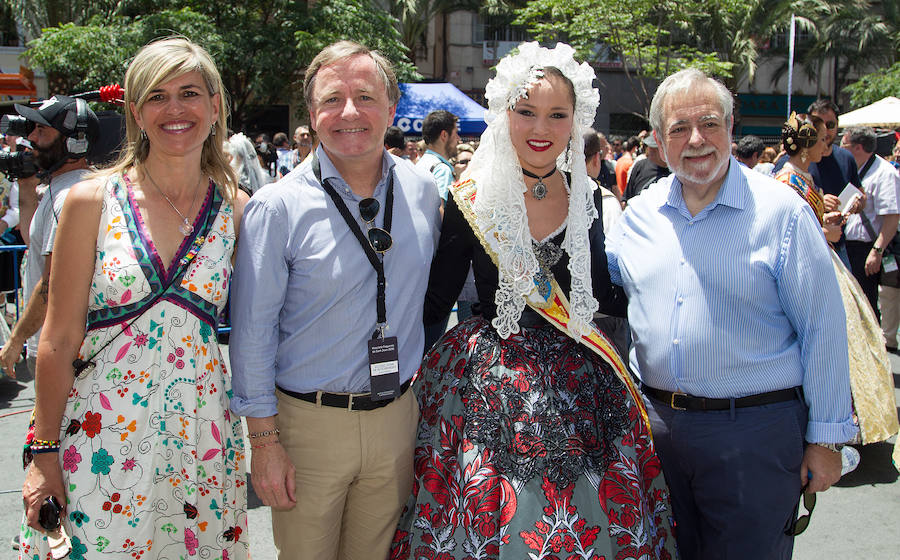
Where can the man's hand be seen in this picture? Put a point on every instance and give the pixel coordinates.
(10, 354)
(858, 204)
(832, 203)
(272, 475)
(873, 263)
(820, 468)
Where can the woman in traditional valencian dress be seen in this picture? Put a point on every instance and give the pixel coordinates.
(532, 441)
(132, 433)
(871, 381)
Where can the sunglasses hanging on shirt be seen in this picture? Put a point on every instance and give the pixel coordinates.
(379, 239)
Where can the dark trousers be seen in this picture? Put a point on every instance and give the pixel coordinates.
(858, 252)
(734, 477)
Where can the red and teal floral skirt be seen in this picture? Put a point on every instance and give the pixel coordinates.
(530, 448)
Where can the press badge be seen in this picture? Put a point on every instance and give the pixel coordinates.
(384, 368)
(889, 263)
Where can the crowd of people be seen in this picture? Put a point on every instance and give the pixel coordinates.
(663, 341)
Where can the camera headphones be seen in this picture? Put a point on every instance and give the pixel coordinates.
(78, 144)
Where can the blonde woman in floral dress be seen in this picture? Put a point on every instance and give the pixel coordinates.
(132, 433)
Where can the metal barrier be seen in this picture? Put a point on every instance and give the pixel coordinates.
(14, 249)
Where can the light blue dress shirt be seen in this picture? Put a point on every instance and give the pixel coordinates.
(738, 300)
(303, 294)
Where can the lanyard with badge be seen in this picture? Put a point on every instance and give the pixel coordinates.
(384, 365)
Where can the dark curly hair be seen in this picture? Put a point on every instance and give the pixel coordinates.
(800, 132)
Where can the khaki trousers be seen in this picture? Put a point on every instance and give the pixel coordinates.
(889, 300)
(354, 475)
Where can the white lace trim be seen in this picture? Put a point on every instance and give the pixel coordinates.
(499, 204)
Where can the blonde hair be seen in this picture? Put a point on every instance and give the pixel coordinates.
(156, 63)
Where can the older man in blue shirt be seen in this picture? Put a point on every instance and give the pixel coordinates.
(327, 306)
(743, 365)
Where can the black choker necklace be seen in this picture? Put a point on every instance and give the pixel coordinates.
(539, 189)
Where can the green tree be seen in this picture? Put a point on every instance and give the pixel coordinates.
(261, 47)
(650, 37)
(875, 86)
(851, 35)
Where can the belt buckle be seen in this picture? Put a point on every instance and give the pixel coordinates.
(672, 400)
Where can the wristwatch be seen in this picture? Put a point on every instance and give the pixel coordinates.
(878, 250)
(836, 447)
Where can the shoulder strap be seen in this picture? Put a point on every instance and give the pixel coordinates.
(862, 215)
(866, 167)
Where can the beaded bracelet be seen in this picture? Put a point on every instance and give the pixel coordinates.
(44, 442)
(254, 435)
(260, 446)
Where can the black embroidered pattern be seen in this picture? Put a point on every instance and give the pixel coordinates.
(544, 405)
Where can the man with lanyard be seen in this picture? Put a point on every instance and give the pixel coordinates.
(745, 372)
(64, 130)
(870, 231)
(326, 314)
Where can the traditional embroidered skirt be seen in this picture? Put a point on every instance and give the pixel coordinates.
(530, 448)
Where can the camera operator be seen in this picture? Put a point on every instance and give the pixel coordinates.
(61, 131)
(17, 165)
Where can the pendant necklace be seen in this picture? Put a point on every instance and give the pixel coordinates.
(185, 228)
(539, 189)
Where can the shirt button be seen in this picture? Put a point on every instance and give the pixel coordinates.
(680, 300)
(675, 342)
(682, 261)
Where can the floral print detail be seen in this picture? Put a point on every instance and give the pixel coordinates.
(91, 424)
(71, 458)
(529, 448)
(138, 430)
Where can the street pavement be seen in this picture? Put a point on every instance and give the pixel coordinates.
(857, 519)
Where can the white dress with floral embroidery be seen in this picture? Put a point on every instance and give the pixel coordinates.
(151, 457)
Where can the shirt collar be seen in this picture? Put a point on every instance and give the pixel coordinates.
(437, 155)
(329, 171)
(734, 192)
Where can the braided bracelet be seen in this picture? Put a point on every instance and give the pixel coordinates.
(37, 450)
(273, 432)
(261, 445)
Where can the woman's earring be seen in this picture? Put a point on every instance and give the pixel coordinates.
(804, 153)
(212, 129)
(144, 135)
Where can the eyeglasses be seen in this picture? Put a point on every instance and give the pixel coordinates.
(801, 523)
(463, 161)
(830, 125)
(379, 239)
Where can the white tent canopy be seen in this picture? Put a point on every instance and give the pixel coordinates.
(883, 114)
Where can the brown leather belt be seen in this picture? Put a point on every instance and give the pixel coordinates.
(683, 401)
(350, 402)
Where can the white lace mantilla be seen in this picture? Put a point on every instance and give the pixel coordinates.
(499, 205)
